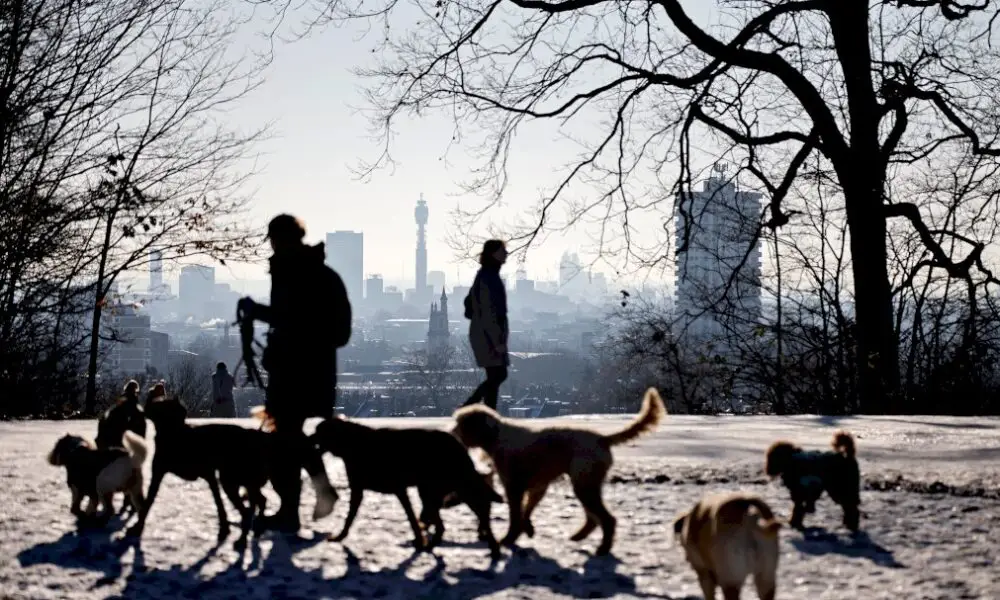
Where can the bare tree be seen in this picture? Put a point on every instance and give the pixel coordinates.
(875, 89)
(114, 147)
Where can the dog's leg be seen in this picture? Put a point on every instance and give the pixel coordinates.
(482, 507)
(731, 592)
(154, 487)
(852, 518)
(535, 496)
(220, 508)
(134, 491)
(431, 503)
(357, 494)
(798, 514)
(75, 500)
(419, 541)
(765, 583)
(515, 500)
(588, 491)
(232, 491)
(707, 582)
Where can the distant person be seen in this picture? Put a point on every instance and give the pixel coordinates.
(223, 404)
(309, 318)
(486, 309)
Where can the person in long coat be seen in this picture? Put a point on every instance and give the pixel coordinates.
(486, 309)
(223, 403)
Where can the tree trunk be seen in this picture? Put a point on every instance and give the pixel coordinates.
(100, 289)
(877, 354)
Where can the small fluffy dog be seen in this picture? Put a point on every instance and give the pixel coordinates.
(727, 537)
(125, 415)
(389, 460)
(528, 460)
(98, 473)
(807, 474)
(241, 457)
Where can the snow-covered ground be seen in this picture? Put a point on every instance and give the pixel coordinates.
(931, 506)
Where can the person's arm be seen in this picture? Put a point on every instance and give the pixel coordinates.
(492, 318)
(255, 310)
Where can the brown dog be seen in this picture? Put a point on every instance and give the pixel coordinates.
(727, 537)
(528, 460)
(98, 473)
(808, 473)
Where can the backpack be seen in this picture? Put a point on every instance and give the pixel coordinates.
(470, 302)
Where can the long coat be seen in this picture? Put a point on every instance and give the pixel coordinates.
(223, 404)
(488, 327)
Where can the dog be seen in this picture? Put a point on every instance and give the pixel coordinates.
(96, 474)
(528, 460)
(389, 461)
(807, 474)
(125, 415)
(727, 537)
(241, 457)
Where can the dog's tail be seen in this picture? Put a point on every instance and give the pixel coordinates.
(843, 442)
(136, 447)
(266, 419)
(763, 517)
(648, 418)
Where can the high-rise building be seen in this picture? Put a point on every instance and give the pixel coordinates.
(345, 254)
(195, 289)
(435, 279)
(420, 215)
(723, 220)
(155, 271)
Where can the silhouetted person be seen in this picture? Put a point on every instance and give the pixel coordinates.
(309, 318)
(223, 403)
(486, 309)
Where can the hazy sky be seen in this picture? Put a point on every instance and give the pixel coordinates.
(309, 94)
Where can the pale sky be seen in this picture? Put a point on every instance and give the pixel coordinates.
(309, 94)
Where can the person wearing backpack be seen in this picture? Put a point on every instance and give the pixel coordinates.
(486, 309)
(309, 318)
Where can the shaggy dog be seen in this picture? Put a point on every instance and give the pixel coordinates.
(528, 460)
(389, 460)
(807, 474)
(727, 537)
(240, 456)
(98, 473)
(125, 415)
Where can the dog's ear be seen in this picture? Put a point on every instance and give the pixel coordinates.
(679, 523)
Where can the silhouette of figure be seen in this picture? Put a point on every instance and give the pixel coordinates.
(125, 415)
(223, 404)
(486, 309)
(309, 318)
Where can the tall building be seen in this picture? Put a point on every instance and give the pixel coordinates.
(155, 271)
(420, 215)
(435, 279)
(345, 254)
(723, 220)
(131, 353)
(195, 289)
(438, 331)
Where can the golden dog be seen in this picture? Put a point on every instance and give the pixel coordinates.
(727, 537)
(98, 474)
(528, 460)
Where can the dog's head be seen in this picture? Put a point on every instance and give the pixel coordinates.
(779, 457)
(477, 426)
(64, 446)
(166, 413)
(337, 435)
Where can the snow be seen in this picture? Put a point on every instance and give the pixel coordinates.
(931, 502)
